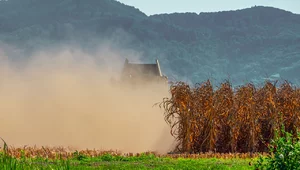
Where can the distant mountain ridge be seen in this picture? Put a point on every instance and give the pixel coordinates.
(248, 45)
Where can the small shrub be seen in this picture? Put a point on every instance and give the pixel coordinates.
(107, 157)
(284, 153)
(79, 156)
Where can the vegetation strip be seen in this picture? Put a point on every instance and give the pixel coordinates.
(108, 161)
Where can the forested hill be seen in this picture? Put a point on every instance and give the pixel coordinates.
(246, 45)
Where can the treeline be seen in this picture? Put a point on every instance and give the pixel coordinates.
(249, 44)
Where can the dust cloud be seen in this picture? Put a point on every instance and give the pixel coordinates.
(64, 98)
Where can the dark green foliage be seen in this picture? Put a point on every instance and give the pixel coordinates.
(107, 157)
(284, 153)
(247, 45)
(78, 156)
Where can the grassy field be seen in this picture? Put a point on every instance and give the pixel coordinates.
(110, 161)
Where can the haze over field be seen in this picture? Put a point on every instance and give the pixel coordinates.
(62, 98)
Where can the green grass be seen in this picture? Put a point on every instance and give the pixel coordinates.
(121, 162)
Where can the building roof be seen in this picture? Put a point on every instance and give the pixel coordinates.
(134, 69)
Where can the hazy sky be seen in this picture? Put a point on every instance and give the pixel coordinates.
(168, 6)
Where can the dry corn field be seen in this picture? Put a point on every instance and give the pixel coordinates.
(230, 120)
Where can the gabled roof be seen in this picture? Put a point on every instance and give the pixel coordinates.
(141, 69)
